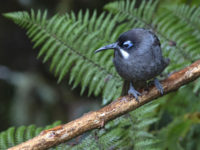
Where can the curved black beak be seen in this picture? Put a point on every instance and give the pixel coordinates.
(110, 46)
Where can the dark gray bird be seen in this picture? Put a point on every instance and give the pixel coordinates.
(138, 58)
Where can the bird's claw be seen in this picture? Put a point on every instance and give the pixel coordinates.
(158, 86)
(135, 93)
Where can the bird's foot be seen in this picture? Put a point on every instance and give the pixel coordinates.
(133, 92)
(158, 85)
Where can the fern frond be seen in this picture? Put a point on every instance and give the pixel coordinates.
(141, 119)
(186, 44)
(188, 15)
(14, 136)
(70, 41)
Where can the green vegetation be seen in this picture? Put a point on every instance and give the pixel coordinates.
(68, 41)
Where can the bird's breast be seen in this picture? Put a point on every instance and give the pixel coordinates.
(139, 68)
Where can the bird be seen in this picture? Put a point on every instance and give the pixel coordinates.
(138, 59)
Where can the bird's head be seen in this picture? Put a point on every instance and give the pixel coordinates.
(132, 43)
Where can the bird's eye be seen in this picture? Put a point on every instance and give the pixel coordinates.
(127, 44)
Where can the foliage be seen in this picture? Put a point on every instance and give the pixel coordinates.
(73, 51)
(68, 42)
(180, 130)
(14, 136)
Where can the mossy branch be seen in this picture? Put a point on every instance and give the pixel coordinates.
(97, 119)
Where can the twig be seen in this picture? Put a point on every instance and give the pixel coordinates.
(97, 119)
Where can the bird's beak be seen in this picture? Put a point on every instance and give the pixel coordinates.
(110, 46)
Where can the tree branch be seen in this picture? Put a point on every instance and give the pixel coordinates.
(97, 119)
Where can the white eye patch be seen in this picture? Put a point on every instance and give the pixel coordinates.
(127, 44)
(124, 53)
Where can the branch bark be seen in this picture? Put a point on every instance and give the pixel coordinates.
(97, 119)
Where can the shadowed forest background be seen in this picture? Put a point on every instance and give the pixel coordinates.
(30, 94)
